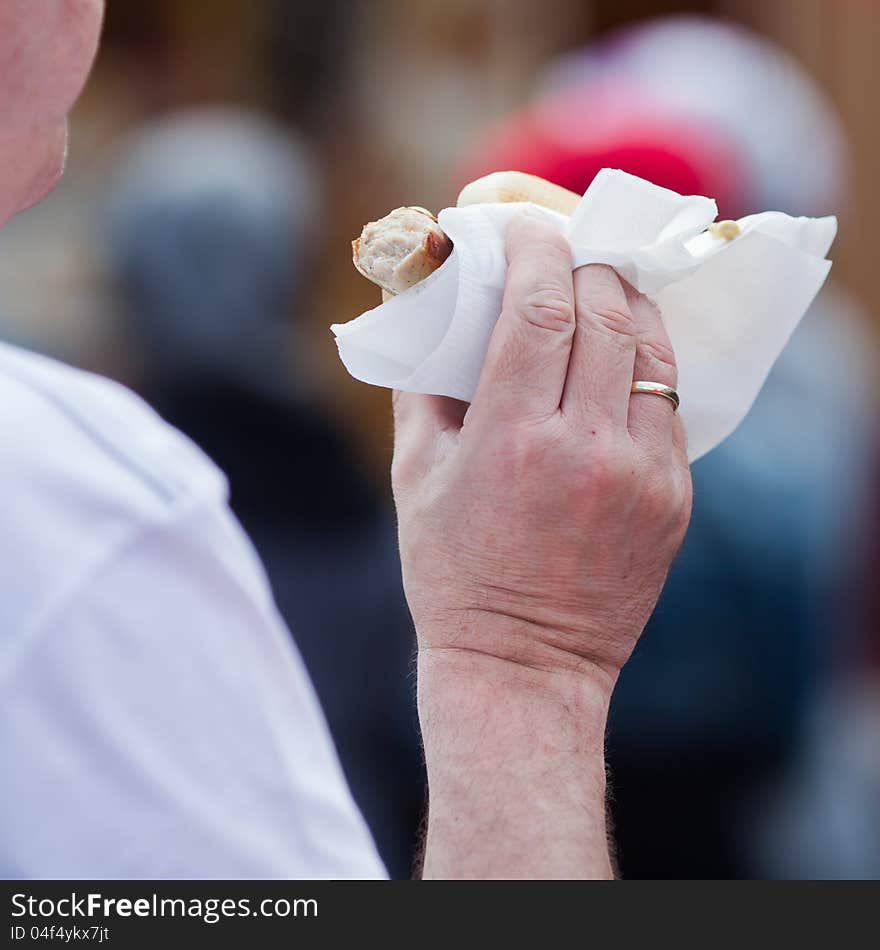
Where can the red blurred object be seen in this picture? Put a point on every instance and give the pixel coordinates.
(569, 136)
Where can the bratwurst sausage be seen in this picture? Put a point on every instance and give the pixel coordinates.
(404, 247)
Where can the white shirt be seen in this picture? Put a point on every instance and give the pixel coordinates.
(157, 721)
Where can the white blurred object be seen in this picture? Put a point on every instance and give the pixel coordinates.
(786, 129)
(729, 306)
(159, 716)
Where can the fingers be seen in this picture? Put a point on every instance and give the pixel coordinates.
(620, 338)
(651, 419)
(525, 368)
(576, 341)
(604, 350)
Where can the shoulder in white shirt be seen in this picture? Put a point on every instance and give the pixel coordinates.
(157, 720)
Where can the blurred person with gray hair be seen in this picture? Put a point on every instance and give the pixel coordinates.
(750, 623)
(210, 222)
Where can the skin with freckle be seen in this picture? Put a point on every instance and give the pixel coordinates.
(46, 51)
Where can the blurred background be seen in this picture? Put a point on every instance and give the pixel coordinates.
(227, 151)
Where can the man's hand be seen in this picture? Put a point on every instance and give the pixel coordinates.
(536, 531)
(556, 506)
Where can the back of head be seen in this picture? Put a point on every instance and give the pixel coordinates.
(207, 226)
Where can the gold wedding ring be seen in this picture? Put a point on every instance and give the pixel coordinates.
(656, 389)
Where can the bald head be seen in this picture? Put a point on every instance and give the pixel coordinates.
(46, 51)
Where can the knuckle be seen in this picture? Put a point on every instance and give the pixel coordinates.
(659, 515)
(659, 497)
(609, 470)
(658, 357)
(684, 501)
(614, 319)
(406, 468)
(548, 308)
(666, 501)
(398, 473)
(522, 451)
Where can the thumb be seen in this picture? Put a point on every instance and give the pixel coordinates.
(422, 413)
(419, 421)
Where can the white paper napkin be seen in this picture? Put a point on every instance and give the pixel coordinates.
(729, 306)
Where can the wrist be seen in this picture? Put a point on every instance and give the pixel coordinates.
(517, 654)
(463, 688)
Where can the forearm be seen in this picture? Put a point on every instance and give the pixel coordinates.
(516, 770)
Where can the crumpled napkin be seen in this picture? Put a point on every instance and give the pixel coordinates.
(729, 306)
